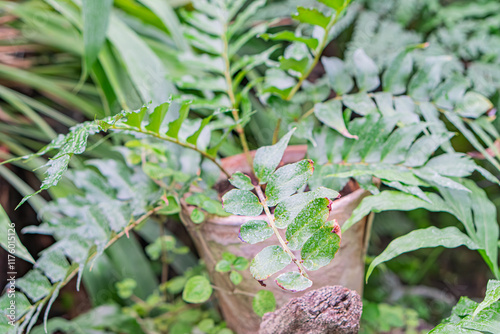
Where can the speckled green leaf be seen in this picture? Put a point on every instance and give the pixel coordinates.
(263, 302)
(287, 180)
(286, 211)
(293, 281)
(267, 158)
(320, 248)
(241, 181)
(307, 222)
(269, 261)
(197, 290)
(7, 230)
(311, 16)
(255, 231)
(241, 202)
(157, 116)
(54, 264)
(398, 72)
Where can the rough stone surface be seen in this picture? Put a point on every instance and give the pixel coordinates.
(328, 310)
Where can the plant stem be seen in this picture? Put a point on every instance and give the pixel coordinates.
(318, 53)
(172, 140)
(234, 292)
(270, 217)
(232, 98)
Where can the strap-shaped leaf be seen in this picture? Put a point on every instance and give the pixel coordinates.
(95, 23)
(394, 200)
(310, 219)
(242, 202)
(269, 261)
(254, 231)
(287, 180)
(293, 281)
(449, 237)
(267, 158)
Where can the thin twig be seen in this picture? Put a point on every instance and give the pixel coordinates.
(270, 217)
(172, 140)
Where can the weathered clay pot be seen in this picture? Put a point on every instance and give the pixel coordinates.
(220, 234)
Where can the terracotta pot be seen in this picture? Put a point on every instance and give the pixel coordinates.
(220, 234)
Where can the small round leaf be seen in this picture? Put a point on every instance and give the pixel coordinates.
(223, 266)
(197, 290)
(235, 277)
(197, 216)
(263, 302)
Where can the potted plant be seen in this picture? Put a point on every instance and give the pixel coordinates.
(369, 130)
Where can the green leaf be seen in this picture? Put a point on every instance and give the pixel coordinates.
(156, 118)
(451, 91)
(267, 158)
(473, 105)
(175, 126)
(492, 295)
(335, 4)
(397, 145)
(269, 261)
(197, 216)
(263, 302)
(366, 71)
(308, 221)
(95, 25)
(10, 238)
(449, 237)
(54, 264)
(330, 114)
(485, 220)
(396, 76)
(241, 181)
(254, 231)
(287, 180)
(338, 77)
(360, 103)
(223, 266)
(240, 263)
(394, 200)
(34, 285)
(230, 257)
(241, 202)
(286, 211)
(235, 277)
(289, 36)
(197, 290)
(320, 249)
(293, 281)
(311, 16)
